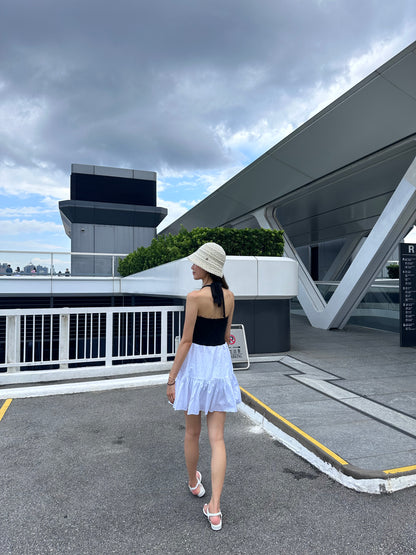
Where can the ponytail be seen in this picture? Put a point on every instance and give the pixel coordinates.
(216, 289)
(218, 279)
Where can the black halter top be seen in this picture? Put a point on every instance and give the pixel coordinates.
(210, 331)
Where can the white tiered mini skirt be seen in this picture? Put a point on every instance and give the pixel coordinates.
(206, 381)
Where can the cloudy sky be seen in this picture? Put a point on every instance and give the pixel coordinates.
(194, 90)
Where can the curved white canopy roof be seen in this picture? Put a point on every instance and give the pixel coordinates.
(334, 175)
(348, 172)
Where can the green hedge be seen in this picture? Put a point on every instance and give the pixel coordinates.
(393, 271)
(166, 248)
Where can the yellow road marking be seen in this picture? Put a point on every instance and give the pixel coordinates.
(5, 406)
(402, 469)
(296, 429)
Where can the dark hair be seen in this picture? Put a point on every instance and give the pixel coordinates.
(216, 288)
(218, 279)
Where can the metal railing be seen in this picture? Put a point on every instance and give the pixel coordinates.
(72, 337)
(58, 264)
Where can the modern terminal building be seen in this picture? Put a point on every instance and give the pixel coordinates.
(343, 189)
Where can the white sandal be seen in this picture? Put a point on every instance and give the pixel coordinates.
(209, 515)
(198, 483)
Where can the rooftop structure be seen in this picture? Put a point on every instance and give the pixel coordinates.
(111, 210)
(342, 186)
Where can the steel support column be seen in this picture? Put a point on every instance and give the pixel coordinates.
(392, 225)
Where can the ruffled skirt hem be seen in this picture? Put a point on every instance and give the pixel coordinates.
(206, 381)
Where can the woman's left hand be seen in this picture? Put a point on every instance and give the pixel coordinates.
(170, 392)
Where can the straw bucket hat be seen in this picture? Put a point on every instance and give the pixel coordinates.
(210, 257)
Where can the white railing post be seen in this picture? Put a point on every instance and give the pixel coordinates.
(164, 336)
(63, 339)
(109, 339)
(13, 342)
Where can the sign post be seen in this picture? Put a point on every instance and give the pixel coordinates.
(407, 285)
(238, 347)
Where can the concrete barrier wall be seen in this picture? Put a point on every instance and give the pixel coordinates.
(249, 277)
(263, 287)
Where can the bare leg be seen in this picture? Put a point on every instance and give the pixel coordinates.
(215, 422)
(191, 445)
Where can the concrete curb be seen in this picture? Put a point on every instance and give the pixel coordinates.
(322, 458)
(82, 387)
(80, 373)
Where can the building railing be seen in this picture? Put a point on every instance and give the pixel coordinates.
(42, 339)
(58, 264)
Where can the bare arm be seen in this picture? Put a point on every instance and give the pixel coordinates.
(230, 321)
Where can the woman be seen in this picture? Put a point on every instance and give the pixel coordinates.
(202, 377)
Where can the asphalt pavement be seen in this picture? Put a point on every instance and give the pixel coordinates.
(345, 400)
(103, 473)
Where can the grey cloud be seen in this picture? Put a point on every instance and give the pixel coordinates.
(145, 84)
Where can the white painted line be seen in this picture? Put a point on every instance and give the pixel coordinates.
(304, 368)
(275, 358)
(389, 416)
(322, 381)
(333, 391)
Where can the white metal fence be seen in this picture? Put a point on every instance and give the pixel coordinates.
(72, 337)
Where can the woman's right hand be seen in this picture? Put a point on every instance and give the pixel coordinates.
(170, 392)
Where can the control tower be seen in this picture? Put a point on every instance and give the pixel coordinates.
(111, 211)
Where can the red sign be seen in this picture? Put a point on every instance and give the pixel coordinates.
(232, 339)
